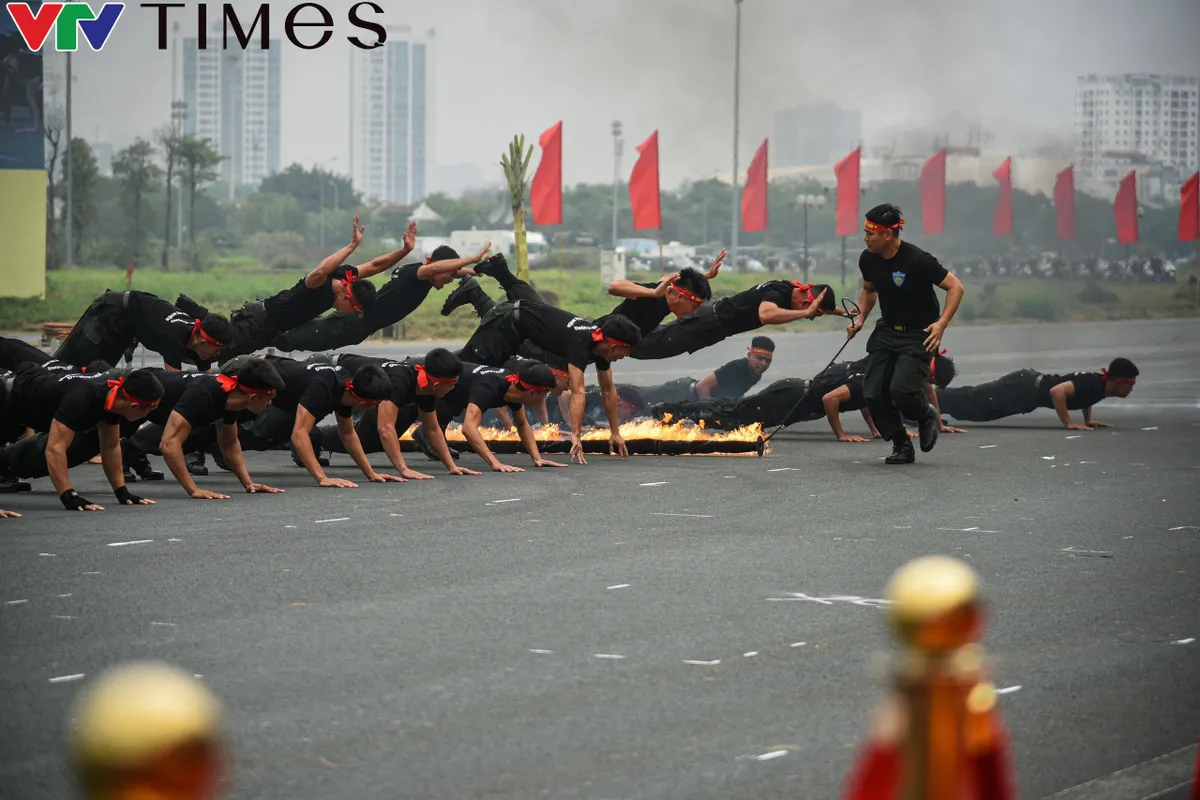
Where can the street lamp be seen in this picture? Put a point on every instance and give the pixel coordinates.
(808, 201)
(321, 183)
(737, 75)
(335, 195)
(618, 149)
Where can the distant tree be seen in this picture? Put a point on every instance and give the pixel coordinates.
(54, 129)
(169, 140)
(272, 213)
(139, 175)
(312, 189)
(85, 180)
(198, 163)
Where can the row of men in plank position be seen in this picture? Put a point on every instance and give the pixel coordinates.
(69, 408)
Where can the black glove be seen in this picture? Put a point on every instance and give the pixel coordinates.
(125, 497)
(73, 501)
(499, 260)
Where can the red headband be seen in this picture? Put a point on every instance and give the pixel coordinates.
(933, 364)
(804, 287)
(562, 373)
(760, 351)
(695, 298)
(119, 386)
(1104, 376)
(515, 380)
(424, 379)
(198, 331)
(875, 226)
(350, 391)
(348, 278)
(598, 336)
(228, 384)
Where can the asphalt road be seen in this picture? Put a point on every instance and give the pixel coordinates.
(633, 629)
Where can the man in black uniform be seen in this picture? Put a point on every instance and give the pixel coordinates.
(417, 385)
(190, 400)
(771, 303)
(67, 405)
(1026, 390)
(401, 296)
(835, 391)
(901, 276)
(578, 340)
(333, 284)
(204, 403)
(739, 376)
(311, 392)
(116, 321)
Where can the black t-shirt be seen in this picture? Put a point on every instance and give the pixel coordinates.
(735, 379)
(482, 385)
(74, 399)
(905, 285)
(739, 313)
(645, 312)
(293, 307)
(402, 374)
(845, 373)
(197, 396)
(14, 353)
(401, 296)
(1089, 389)
(317, 387)
(163, 328)
(559, 332)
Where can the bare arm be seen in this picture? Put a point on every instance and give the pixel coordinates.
(316, 279)
(57, 442)
(171, 447)
(302, 447)
(525, 431)
(386, 262)
(832, 402)
(543, 412)
(633, 291)
(578, 400)
(231, 448)
(866, 303)
(1058, 396)
(110, 454)
(866, 415)
(354, 449)
(437, 440)
(771, 314)
(954, 295)
(471, 420)
(707, 386)
(451, 266)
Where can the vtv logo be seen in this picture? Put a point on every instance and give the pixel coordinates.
(67, 19)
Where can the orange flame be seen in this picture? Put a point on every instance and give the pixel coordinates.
(638, 429)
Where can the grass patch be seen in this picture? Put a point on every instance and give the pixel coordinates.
(228, 285)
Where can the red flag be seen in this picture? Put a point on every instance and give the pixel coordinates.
(754, 196)
(129, 272)
(1002, 220)
(1125, 210)
(933, 194)
(643, 186)
(545, 193)
(847, 171)
(1064, 202)
(1189, 215)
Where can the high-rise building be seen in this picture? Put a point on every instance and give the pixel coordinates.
(817, 133)
(1120, 120)
(232, 98)
(391, 117)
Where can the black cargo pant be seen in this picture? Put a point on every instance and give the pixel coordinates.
(366, 425)
(775, 405)
(685, 335)
(27, 458)
(100, 333)
(518, 289)
(894, 384)
(1015, 393)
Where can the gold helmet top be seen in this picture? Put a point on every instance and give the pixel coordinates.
(135, 712)
(928, 590)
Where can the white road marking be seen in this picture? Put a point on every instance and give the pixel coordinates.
(1146, 780)
(1076, 436)
(987, 446)
(68, 594)
(1047, 458)
(1185, 528)
(798, 644)
(666, 514)
(771, 755)
(541, 652)
(180, 540)
(656, 483)
(165, 624)
(15, 602)
(702, 663)
(619, 586)
(784, 469)
(126, 544)
(1152, 428)
(67, 678)
(1184, 641)
(91, 573)
(47, 555)
(751, 654)
(510, 500)
(336, 519)
(1009, 689)
(60, 616)
(611, 656)
(395, 515)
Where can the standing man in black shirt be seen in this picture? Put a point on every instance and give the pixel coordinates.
(901, 277)
(1025, 390)
(117, 321)
(771, 303)
(578, 340)
(402, 295)
(67, 405)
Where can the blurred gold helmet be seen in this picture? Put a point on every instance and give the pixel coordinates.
(146, 730)
(935, 603)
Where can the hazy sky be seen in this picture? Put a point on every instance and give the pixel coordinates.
(520, 65)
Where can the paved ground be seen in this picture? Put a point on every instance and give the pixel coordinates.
(530, 635)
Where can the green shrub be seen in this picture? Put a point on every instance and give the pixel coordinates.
(1044, 309)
